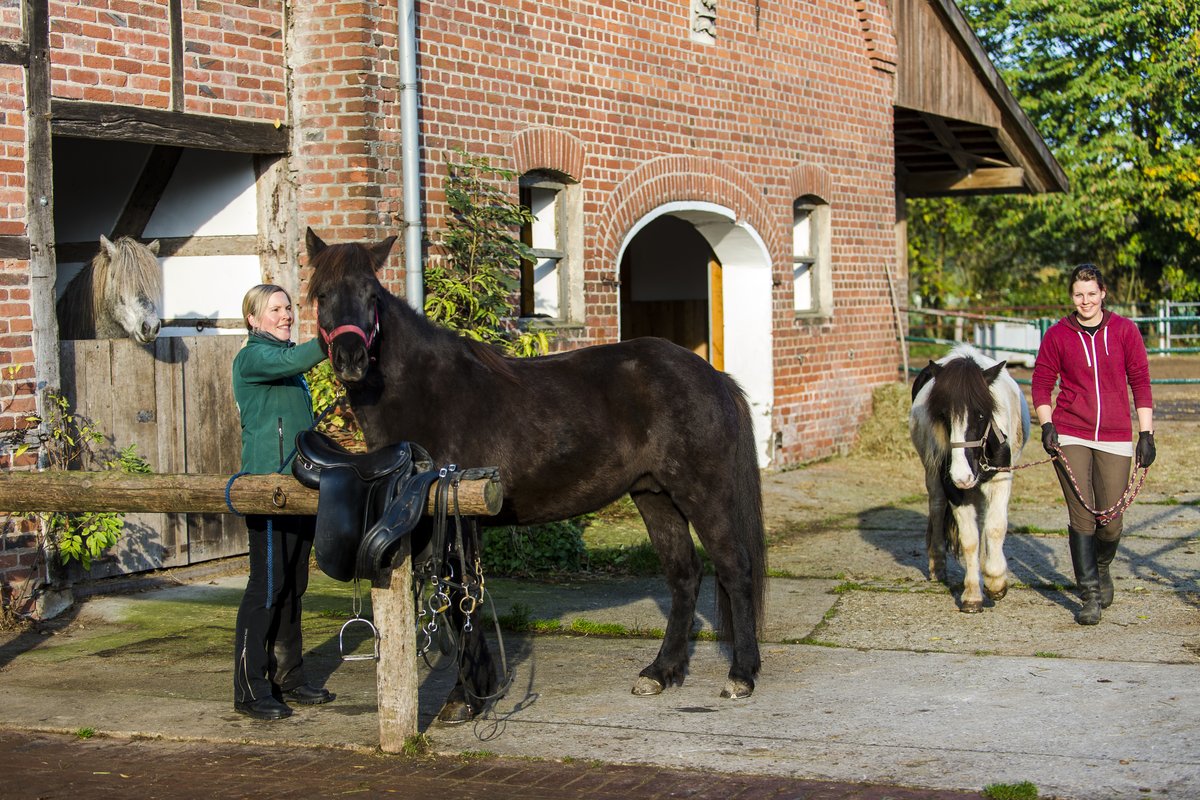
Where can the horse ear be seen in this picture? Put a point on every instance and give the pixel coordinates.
(991, 373)
(153, 247)
(379, 252)
(313, 243)
(108, 246)
(934, 367)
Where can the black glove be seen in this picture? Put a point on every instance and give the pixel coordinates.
(1145, 449)
(1049, 438)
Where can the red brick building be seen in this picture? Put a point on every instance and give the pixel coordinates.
(730, 175)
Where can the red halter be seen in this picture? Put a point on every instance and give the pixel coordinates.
(339, 330)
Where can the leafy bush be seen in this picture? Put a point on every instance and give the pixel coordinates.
(532, 549)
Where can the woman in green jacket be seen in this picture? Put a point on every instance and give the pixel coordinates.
(274, 403)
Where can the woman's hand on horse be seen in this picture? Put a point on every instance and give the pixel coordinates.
(1050, 438)
(1145, 449)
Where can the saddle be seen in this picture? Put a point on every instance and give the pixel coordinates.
(368, 502)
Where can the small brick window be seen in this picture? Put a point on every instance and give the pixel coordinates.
(811, 291)
(542, 280)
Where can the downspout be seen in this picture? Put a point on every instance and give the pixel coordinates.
(410, 157)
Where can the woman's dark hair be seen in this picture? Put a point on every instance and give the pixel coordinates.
(1087, 272)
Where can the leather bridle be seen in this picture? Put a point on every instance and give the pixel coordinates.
(368, 339)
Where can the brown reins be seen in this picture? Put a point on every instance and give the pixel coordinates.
(1136, 479)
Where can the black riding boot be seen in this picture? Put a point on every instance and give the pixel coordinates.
(1087, 576)
(1105, 553)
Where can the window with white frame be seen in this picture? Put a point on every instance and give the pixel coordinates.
(812, 292)
(543, 280)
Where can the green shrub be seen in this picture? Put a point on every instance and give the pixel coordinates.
(553, 547)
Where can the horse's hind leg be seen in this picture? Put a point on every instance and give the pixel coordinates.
(935, 529)
(476, 670)
(669, 534)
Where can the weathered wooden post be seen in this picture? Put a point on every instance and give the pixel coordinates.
(396, 672)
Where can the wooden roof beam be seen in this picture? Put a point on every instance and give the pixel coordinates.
(995, 180)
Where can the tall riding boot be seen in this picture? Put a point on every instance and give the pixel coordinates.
(1087, 576)
(1105, 553)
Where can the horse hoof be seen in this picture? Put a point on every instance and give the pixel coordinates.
(997, 595)
(737, 690)
(456, 712)
(644, 687)
(971, 606)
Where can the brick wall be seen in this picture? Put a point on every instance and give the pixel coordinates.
(661, 118)
(346, 155)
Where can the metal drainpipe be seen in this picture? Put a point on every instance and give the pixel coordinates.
(410, 152)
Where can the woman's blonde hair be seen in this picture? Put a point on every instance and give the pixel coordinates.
(256, 300)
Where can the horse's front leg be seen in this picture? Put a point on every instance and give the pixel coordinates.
(966, 519)
(995, 526)
(668, 530)
(935, 528)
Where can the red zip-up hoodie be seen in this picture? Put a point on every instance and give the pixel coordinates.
(1093, 371)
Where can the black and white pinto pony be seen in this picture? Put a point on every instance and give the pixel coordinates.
(969, 423)
(118, 294)
(570, 433)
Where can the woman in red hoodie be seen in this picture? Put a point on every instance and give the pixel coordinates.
(1094, 355)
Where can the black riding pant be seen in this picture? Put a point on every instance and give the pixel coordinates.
(268, 651)
(1102, 478)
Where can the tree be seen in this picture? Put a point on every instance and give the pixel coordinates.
(470, 285)
(1110, 85)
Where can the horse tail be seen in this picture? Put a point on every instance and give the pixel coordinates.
(749, 530)
(953, 538)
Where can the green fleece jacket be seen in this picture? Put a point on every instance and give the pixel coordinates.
(272, 399)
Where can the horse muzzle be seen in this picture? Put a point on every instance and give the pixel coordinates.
(350, 360)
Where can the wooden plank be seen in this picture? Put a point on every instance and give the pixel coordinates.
(16, 53)
(39, 198)
(73, 490)
(213, 435)
(14, 247)
(135, 421)
(170, 445)
(175, 18)
(82, 120)
(716, 304)
(172, 246)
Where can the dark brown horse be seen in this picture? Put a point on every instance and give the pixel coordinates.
(570, 433)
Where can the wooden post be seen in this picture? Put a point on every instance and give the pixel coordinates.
(396, 672)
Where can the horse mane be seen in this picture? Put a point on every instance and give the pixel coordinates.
(76, 308)
(336, 263)
(960, 386)
(132, 270)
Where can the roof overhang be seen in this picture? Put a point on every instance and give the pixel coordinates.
(958, 129)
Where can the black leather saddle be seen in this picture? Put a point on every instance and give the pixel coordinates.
(368, 502)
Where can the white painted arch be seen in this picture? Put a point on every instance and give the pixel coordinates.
(746, 297)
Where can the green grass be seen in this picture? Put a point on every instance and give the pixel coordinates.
(1011, 791)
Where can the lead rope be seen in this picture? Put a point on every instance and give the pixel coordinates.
(1136, 480)
(469, 581)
